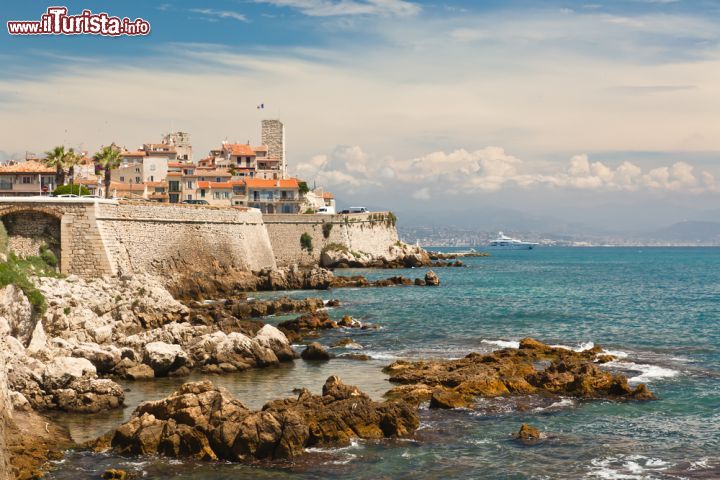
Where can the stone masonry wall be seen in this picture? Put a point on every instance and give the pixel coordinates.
(357, 232)
(81, 249)
(180, 239)
(28, 231)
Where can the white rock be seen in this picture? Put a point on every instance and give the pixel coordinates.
(163, 357)
(16, 309)
(38, 341)
(19, 402)
(269, 335)
(61, 370)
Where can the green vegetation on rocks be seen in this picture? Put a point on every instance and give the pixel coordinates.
(327, 228)
(306, 242)
(17, 271)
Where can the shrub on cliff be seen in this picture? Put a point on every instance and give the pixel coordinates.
(327, 228)
(71, 189)
(4, 240)
(48, 256)
(306, 242)
(13, 273)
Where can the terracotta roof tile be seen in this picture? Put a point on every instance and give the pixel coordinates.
(27, 167)
(262, 183)
(240, 149)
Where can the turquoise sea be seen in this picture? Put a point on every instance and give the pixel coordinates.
(657, 309)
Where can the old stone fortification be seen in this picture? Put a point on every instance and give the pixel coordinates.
(362, 232)
(161, 239)
(95, 237)
(63, 225)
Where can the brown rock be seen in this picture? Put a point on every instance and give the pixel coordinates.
(532, 368)
(528, 434)
(447, 399)
(431, 279)
(315, 351)
(114, 474)
(140, 372)
(204, 422)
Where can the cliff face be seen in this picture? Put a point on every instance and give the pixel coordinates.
(5, 415)
(301, 239)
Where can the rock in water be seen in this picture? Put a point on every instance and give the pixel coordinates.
(205, 422)
(528, 434)
(455, 383)
(447, 399)
(315, 351)
(431, 279)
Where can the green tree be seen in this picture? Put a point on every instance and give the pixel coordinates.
(56, 158)
(72, 159)
(303, 187)
(108, 158)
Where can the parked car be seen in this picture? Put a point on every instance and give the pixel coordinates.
(358, 210)
(91, 196)
(345, 211)
(196, 202)
(326, 210)
(67, 195)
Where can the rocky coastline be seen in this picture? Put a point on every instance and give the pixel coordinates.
(94, 332)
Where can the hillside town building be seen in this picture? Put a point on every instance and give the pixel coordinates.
(234, 174)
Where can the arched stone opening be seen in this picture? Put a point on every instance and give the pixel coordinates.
(32, 232)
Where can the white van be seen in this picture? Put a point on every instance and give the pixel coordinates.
(358, 210)
(326, 210)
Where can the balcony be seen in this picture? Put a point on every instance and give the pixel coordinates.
(275, 199)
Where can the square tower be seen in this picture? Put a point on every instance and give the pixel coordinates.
(272, 135)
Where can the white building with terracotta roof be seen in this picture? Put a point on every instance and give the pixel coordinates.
(27, 178)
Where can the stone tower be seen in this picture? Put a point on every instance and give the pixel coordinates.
(273, 136)
(181, 142)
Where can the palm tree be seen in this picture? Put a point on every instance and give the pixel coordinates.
(108, 158)
(56, 158)
(72, 159)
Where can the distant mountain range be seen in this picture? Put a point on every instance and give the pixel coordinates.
(691, 232)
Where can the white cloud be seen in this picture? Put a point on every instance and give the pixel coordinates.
(332, 8)
(422, 194)
(220, 13)
(491, 169)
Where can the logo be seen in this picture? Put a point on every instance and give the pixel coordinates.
(56, 21)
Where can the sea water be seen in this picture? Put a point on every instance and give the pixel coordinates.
(656, 309)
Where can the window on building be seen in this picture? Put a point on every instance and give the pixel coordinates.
(137, 170)
(152, 178)
(152, 167)
(26, 180)
(138, 180)
(189, 197)
(202, 193)
(122, 179)
(218, 179)
(189, 184)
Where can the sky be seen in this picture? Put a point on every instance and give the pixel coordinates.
(602, 113)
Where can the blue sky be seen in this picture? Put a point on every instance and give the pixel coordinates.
(402, 102)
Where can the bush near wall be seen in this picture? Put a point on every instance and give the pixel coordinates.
(327, 228)
(306, 242)
(71, 189)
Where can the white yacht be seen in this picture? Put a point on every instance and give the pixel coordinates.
(508, 243)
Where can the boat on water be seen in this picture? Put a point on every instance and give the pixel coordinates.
(508, 243)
